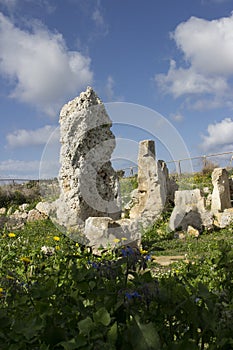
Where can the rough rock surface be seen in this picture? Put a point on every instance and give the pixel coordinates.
(221, 198)
(190, 210)
(35, 215)
(152, 185)
(88, 183)
(223, 219)
(105, 232)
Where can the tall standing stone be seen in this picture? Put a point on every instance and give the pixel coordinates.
(221, 198)
(88, 183)
(152, 185)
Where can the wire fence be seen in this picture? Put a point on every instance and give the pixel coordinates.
(178, 167)
(195, 164)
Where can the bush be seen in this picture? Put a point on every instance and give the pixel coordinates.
(17, 194)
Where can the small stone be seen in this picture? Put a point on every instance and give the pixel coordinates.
(2, 211)
(34, 215)
(193, 232)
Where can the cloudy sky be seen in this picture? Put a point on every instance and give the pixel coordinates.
(173, 57)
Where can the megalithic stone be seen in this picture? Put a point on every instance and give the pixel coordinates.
(221, 198)
(88, 183)
(152, 185)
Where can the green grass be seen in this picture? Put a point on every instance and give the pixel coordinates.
(69, 298)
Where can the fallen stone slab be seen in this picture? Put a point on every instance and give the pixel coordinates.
(104, 232)
(190, 210)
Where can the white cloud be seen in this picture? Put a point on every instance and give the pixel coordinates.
(207, 47)
(14, 168)
(98, 17)
(178, 117)
(38, 64)
(180, 81)
(109, 88)
(219, 136)
(25, 138)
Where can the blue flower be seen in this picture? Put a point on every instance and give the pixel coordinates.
(147, 257)
(127, 251)
(132, 295)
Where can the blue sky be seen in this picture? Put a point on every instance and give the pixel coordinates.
(172, 56)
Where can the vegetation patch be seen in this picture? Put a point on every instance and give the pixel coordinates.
(56, 294)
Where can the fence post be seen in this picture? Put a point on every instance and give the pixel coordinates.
(179, 168)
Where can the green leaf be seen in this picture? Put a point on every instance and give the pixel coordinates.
(112, 334)
(143, 336)
(102, 316)
(86, 325)
(74, 343)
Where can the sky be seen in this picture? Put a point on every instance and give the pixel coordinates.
(173, 57)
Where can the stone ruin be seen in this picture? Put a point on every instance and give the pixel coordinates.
(89, 205)
(191, 210)
(154, 186)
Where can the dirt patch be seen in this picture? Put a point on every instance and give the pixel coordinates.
(167, 259)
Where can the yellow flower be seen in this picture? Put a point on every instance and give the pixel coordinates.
(1, 290)
(10, 277)
(11, 234)
(142, 251)
(116, 240)
(25, 260)
(57, 247)
(56, 238)
(77, 245)
(124, 239)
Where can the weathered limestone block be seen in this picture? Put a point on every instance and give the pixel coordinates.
(190, 210)
(193, 232)
(46, 208)
(221, 192)
(152, 185)
(105, 232)
(223, 219)
(34, 215)
(88, 183)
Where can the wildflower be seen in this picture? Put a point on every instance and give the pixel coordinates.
(127, 251)
(47, 250)
(132, 295)
(116, 240)
(10, 277)
(56, 238)
(11, 234)
(2, 293)
(147, 257)
(25, 260)
(142, 251)
(77, 245)
(124, 239)
(57, 247)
